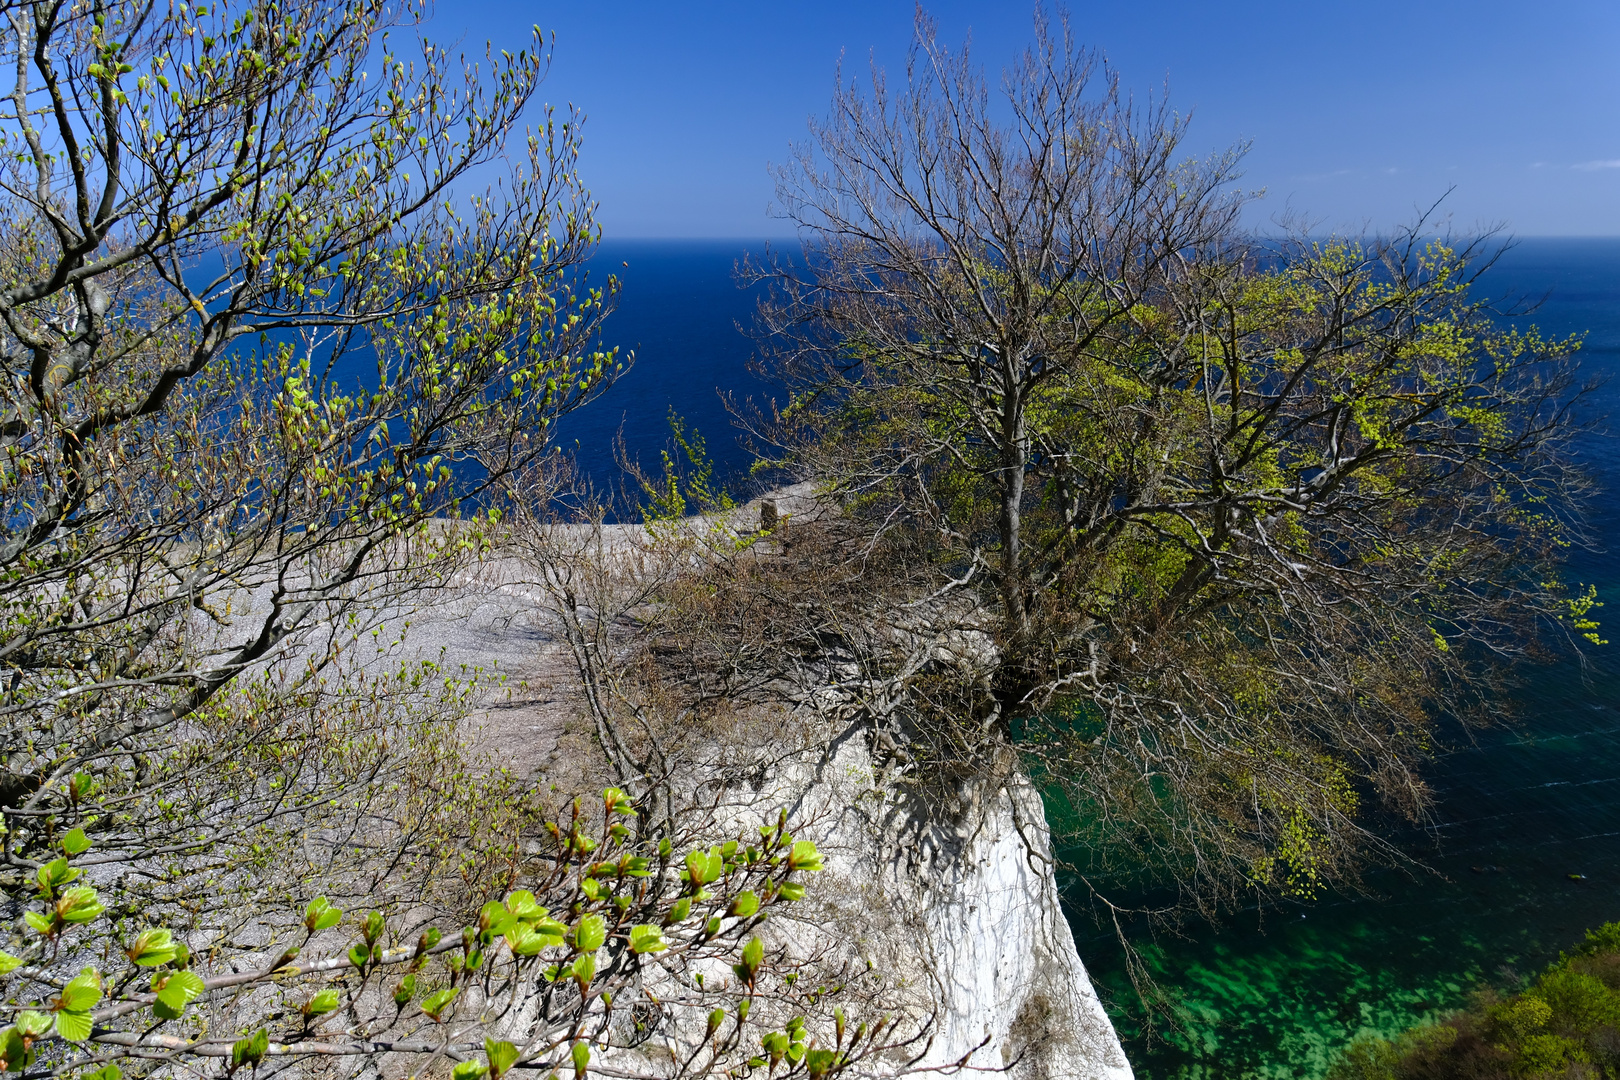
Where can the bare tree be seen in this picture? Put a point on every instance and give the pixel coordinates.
(1232, 520)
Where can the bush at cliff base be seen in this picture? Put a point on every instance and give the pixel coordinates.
(1566, 1024)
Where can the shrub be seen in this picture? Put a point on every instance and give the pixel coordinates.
(1564, 1024)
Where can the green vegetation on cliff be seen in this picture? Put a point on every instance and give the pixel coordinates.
(1564, 1024)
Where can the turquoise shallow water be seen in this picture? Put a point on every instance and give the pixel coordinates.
(1519, 809)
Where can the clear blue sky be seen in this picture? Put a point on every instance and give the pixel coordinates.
(1358, 111)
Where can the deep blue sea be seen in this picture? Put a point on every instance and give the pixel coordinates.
(685, 317)
(1528, 805)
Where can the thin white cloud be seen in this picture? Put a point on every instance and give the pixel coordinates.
(1591, 166)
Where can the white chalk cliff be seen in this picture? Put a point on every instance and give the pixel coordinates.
(968, 903)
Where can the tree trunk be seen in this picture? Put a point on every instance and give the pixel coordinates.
(1015, 596)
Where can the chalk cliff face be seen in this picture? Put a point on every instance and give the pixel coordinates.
(951, 896)
(964, 902)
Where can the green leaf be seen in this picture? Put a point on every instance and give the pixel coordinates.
(8, 963)
(251, 1050)
(791, 890)
(39, 922)
(54, 873)
(521, 904)
(527, 940)
(753, 954)
(434, 1004)
(744, 905)
(32, 1022)
(405, 991)
(75, 842)
(322, 1003)
(680, 912)
(494, 917)
(647, 938)
(153, 947)
(502, 1056)
(703, 867)
(82, 992)
(582, 1058)
(467, 1070)
(804, 856)
(73, 1026)
(106, 1072)
(589, 933)
(524, 941)
(179, 990)
(13, 1058)
(820, 1062)
(321, 915)
(584, 969)
(358, 955)
(372, 928)
(79, 905)
(616, 801)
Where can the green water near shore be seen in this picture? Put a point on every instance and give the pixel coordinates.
(1278, 994)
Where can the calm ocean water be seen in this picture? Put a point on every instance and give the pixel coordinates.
(680, 312)
(1528, 805)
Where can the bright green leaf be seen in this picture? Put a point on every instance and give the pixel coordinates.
(251, 1050)
(82, 992)
(647, 939)
(590, 933)
(79, 905)
(804, 856)
(180, 989)
(153, 947)
(73, 1026)
(322, 1003)
(434, 1004)
(321, 915)
(502, 1056)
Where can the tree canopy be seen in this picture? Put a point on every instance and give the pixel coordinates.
(1233, 520)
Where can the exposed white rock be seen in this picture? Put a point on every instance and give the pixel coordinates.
(970, 906)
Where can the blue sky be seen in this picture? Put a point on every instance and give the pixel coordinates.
(1358, 112)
